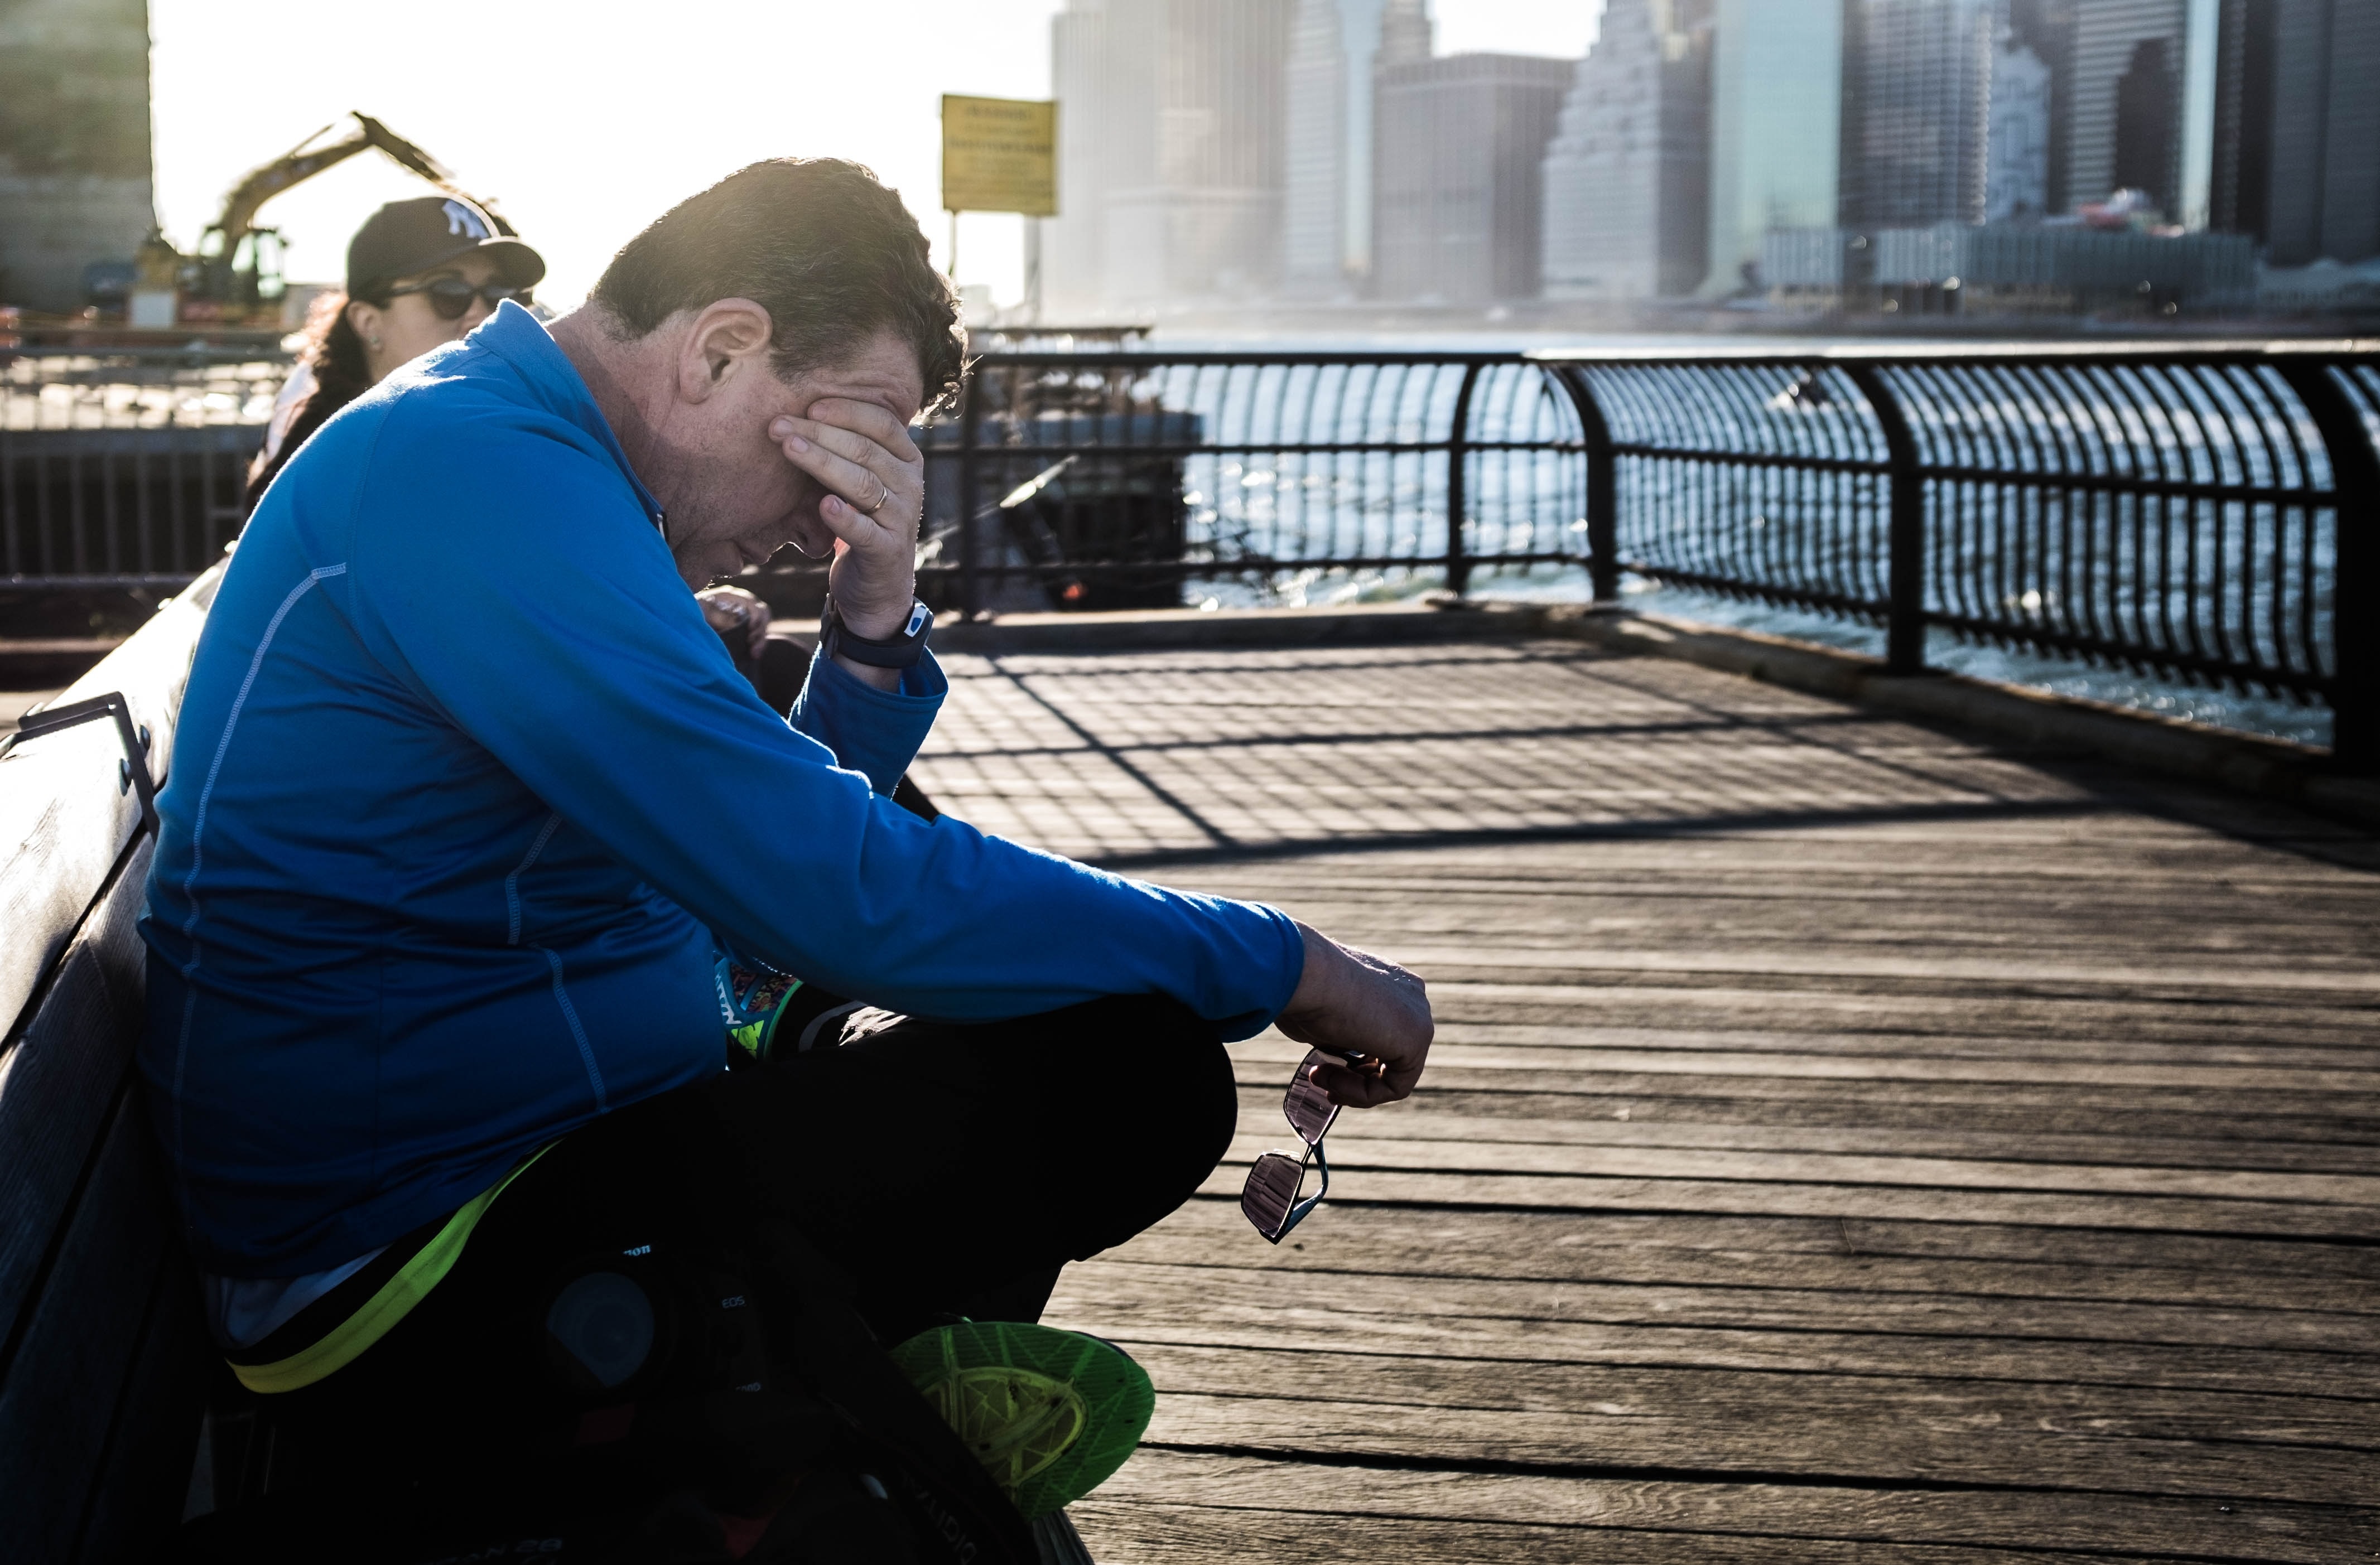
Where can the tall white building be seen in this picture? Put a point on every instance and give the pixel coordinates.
(1170, 155)
(1458, 176)
(1337, 48)
(1314, 175)
(1776, 70)
(2017, 166)
(1627, 177)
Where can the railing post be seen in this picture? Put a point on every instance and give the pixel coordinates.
(971, 583)
(1602, 486)
(1458, 453)
(2355, 578)
(1904, 623)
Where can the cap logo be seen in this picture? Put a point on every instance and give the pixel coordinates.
(461, 220)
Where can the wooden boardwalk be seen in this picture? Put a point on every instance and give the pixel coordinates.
(1843, 1142)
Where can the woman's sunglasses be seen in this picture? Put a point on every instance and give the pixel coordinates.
(452, 297)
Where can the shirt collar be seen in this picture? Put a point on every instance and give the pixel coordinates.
(520, 339)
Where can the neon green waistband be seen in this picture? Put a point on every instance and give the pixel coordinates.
(377, 1316)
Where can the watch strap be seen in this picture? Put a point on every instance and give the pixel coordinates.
(900, 650)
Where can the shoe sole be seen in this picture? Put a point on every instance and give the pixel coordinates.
(1051, 1414)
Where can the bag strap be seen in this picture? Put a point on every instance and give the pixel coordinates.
(833, 1350)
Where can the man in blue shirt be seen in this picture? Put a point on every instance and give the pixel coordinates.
(471, 810)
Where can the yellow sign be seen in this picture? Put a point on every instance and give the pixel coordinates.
(1000, 154)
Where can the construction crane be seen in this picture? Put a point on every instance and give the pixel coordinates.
(236, 271)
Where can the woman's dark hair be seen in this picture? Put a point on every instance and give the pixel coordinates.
(333, 354)
(827, 251)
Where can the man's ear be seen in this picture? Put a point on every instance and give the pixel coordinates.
(728, 338)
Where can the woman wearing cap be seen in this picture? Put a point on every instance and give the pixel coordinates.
(419, 273)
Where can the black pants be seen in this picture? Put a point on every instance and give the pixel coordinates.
(946, 1170)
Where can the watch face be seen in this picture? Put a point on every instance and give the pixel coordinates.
(918, 615)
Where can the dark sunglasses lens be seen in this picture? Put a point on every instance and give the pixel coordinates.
(1271, 1191)
(451, 296)
(1309, 1107)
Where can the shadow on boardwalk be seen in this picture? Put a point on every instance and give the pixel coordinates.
(1843, 1143)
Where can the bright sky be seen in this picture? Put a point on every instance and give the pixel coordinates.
(585, 121)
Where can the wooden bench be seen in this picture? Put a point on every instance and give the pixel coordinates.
(104, 1364)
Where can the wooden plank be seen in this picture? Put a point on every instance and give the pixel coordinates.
(1369, 1142)
(145, 1471)
(2265, 1111)
(62, 818)
(1184, 1533)
(1286, 1311)
(62, 1385)
(1797, 1420)
(1565, 1193)
(1474, 1119)
(1611, 1511)
(1550, 1060)
(63, 824)
(2348, 1338)
(1858, 1440)
(1970, 1260)
(2195, 1130)
(64, 1078)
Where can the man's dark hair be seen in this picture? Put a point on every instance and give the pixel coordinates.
(827, 251)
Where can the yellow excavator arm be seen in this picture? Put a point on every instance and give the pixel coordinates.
(301, 163)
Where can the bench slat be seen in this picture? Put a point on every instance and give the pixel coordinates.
(146, 1469)
(64, 815)
(63, 824)
(66, 1385)
(63, 1080)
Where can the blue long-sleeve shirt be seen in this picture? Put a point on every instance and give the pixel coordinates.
(464, 789)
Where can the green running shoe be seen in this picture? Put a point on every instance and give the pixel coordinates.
(1051, 1413)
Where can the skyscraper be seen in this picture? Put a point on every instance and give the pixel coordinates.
(1916, 102)
(1458, 147)
(2298, 145)
(1776, 126)
(1171, 158)
(2046, 30)
(1627, 179)
(74, 184)
(2016, 162)
(2241, 193)
(1313, 214)
(2129, 60)
(1335, 48)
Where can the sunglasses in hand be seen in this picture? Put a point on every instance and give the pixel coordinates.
(452, 297)
(1269, 1200)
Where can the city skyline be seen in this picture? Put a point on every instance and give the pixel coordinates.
(626, 159)
(1240, 151)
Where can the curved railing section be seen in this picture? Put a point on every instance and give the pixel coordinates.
(2203, 513)
(1124, 479)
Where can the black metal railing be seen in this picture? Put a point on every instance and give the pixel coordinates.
(125, 467)
(2204, 514)
(1120, 480)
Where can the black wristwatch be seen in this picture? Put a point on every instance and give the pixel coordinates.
(901, 650)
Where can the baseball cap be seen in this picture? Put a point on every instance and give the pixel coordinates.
(404, 237)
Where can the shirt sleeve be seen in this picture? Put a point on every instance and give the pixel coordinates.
(507, 573)
(875, 732)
